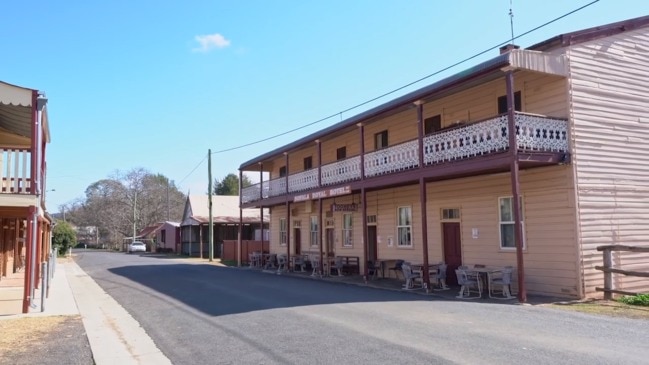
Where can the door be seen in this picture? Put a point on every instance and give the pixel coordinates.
(452, 249)
(372, 248)
(329, 239)
(297, 238)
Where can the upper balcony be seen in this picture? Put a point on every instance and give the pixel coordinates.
(24, 133)
(534, 134)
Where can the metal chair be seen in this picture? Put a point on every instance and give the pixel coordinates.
(338, 265)
(439, 276)
(281, 263)
(298, 260)
(504, 281)
(467, 282)
(315, 261)
(271, 262)
(411, 277)
(254, 260)
(373, 269)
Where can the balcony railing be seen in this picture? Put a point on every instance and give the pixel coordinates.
(534, 133)
(340, 171)
(15, 171)
(302, 181)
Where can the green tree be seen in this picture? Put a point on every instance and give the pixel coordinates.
(63, 236)
(230, 185)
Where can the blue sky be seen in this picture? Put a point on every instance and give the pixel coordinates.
(155, 84)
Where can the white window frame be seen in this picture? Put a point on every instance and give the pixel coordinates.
(282, 232)
(313, 228)
(348, 231)
(404, 229)
(511, 222)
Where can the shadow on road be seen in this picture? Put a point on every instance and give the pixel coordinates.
(220, 291)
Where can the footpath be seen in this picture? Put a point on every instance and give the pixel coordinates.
(115, 337)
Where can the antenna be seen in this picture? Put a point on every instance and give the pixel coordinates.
(511, 19)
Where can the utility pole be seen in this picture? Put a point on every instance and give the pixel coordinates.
(209, 199)
(134, 208)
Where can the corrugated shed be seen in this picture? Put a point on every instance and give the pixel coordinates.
(225, 209)
(609, 79)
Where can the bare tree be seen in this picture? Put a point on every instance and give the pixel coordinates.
(135, 199)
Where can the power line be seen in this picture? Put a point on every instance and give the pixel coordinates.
(194, 169)
(406, 85)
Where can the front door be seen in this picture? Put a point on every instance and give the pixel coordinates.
(372, 249)
(330, 240)
(297, 239)
(452, 249)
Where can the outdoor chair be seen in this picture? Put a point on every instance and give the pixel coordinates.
(373, 269)
(298, 260)
(281, 263)
(504, 281)
(271, 262)
(396, 268)
(315, 261)
(439, 276)
(466, 283)
(254, 260)
(413, 279)
(338, 265)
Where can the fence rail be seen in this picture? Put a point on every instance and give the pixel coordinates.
(609, 270)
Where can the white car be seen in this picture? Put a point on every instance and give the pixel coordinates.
(136, 246)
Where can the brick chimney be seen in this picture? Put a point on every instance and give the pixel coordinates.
(508, 47)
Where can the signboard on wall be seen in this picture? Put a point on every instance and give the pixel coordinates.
(344, 207)
(323, 194)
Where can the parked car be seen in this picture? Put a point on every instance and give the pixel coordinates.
(136, 246)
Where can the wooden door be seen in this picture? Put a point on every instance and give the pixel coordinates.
(298, 242)
(372, 248)
(329, 239)
(452, 249)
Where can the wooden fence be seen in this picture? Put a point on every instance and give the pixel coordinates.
(247, 247)
(609, 270)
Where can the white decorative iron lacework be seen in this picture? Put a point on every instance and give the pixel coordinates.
(340, 171)
(277, 187)
(538, 133)
(469, 141)
(250, 193)
(392, 159)
(303, 180)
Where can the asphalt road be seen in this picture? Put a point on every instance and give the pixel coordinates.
(204, 314)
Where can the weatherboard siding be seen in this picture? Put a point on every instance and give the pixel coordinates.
(550, 256)
(609, 81)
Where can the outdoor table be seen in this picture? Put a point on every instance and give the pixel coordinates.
(484, 274)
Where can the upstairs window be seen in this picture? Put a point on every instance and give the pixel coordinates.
(502, 103)
(282, 171)
(341, 153)
(381, 140)
(432, 124)
(308, 163)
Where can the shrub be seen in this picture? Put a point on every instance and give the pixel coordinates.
(63, 237)
(640, 299)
